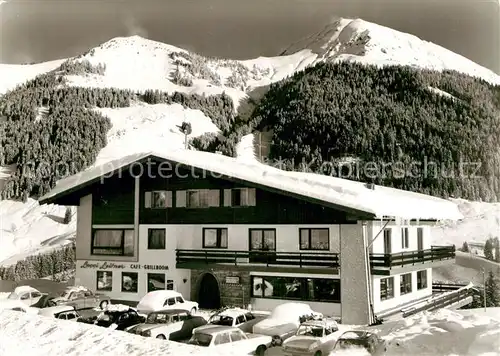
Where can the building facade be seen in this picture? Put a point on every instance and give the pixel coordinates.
(224, 241)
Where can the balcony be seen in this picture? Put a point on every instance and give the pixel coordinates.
(382, 264)
(245, 260)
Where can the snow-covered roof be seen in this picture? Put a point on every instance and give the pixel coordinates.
(380, 202)
(23, 289)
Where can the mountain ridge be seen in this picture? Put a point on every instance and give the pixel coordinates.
(139, 64)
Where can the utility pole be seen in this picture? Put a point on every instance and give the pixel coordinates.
(484, 289)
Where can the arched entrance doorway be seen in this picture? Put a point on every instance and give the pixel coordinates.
(208, 292)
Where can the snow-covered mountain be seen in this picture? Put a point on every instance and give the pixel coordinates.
(139, 64)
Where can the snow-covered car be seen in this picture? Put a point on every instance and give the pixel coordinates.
(116, 317)
(170, 324)
(165, 299)
(314, 337)
(227, 338)
(17, 305)
(361, 339)
(82, 298)
(235, 317)
(284, 321)
(26, 294)
(64, 312)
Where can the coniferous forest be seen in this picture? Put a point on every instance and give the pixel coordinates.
(48, 130)
(388, 126)
(392, 126)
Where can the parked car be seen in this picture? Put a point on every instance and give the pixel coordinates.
(284, 321)
(26, 294)
(118, 317)
(235, 317)
(82, 298)
(169, 324)
(64, 312)
(46, 301)
(367, 340)
(165, 299)
(231, 338)
(314, 337)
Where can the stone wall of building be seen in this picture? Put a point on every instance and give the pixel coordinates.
(231, 294)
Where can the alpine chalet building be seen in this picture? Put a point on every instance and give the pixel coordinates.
(223, 231)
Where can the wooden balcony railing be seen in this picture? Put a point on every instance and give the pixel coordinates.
(435, 253)
(268, 258)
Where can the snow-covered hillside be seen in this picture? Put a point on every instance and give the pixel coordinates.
(139, 64)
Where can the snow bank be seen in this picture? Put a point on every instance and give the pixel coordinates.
(22, 334)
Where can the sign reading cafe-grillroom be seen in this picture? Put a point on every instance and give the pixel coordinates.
(112, 265)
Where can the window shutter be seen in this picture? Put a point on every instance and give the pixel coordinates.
(227, 197)
(180, 199)
(147, 200)
(169, 199)
(251, 197)
(214, 198)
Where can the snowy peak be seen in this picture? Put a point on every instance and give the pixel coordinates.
(369, 43)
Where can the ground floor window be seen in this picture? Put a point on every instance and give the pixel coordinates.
(296, 288)
(422, 279)
(129, 282)
(387, 288)
(405, 283)
(156, 281)
(104, 281)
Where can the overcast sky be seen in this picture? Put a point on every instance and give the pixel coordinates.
(40, 30)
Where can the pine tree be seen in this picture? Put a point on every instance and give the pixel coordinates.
(465, 247)
(496, 244)
(492, 291)
(488, 249)
(67, 216)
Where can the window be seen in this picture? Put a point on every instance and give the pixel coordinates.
(240, 319)
(169, 302)
(314, 239)
(261, 242)
(156, 281)
(291, 288)
(129, 282)
(156, 239)
(161, 199)
(421, 279)
(405, 239)
(249, 316)
(240, 197)
(35, 294)
(214, 238)
(263, 239)
(386, 288)
(200, 198)
(179, 300)
(170, 284)
(117, 242)
(222, 338)
(104, 281)
(405, 283)
(236, 336)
